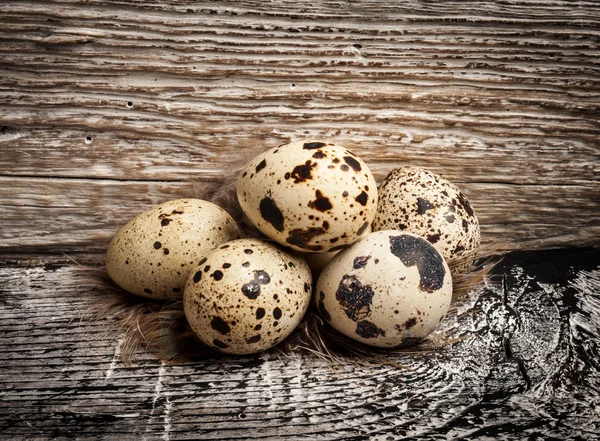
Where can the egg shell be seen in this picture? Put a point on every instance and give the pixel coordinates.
(419, 201)
(391, 288)
(318, 261)
(246, 296)
(154, 253)
(311, 196)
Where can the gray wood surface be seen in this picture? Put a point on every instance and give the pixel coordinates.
(526, 368)
(108, 108)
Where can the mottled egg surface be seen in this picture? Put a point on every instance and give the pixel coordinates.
(246, 296)
(154, 253)
(421, 202)
(388, 289)
(311, 196)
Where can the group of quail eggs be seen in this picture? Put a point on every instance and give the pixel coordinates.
(378, 257)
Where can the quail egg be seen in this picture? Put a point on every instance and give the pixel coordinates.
(246, 296)
(421, 202)
(311, 196)
(154, 253)
(390, 288)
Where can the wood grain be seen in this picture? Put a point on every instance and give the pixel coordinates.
(109, 108)
(526, 367)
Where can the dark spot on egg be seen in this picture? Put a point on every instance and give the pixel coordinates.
(302, 173)
(354, 297)
(360, 262)
(147, 290)
(197, 276)
(251, 290)
(248, 251)
(306, 287)
(246, 264)
(363, 228)
(313, 145)
(164, 222)
(261, 165)
(423, 205)
(157, 245)
(410, 323)
(176, 289)
(362, 198)
(321, 203)
(434, 238)
(465, 225)
(417, 251)
(166, 251)
(344, 167)
(458, 249)
(219, 344)
(260, 313)
(318, 155)
(253, 339)
(202, 261)
(219, 325)
(352, 163)
(277, 313)
(226, 265)
(465, 204)
(271, 213)
(217, 275)
(366, 329)
(262, 277)
(301, 237)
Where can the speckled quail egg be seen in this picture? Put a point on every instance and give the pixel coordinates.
(311, 196)
(421, 202)
(154, 253)
(246, 296)
(390, 288)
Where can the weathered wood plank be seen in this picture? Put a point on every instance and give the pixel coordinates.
(527, 368)
(503, 100)
(80, 215)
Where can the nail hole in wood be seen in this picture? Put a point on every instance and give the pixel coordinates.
(129, 104)
(88, 139)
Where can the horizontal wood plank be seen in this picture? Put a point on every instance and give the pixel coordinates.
(109, 108)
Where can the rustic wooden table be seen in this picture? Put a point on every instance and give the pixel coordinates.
(108, 108)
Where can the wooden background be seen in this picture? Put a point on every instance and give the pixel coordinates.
(108, 108)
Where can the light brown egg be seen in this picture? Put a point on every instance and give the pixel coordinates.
(421, 202)
(154, 253)
(311, 196)
(388, 289)
(246, 296)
